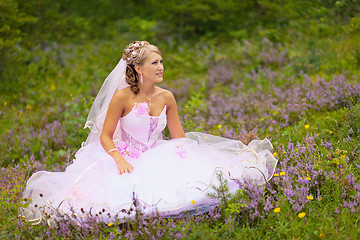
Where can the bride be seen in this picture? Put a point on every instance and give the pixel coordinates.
(124, 160)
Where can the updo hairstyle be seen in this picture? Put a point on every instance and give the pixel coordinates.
(135, 54)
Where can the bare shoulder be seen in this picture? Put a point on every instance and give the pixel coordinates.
(166, 95)
(122, 95)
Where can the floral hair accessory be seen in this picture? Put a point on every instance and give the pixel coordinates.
(131, 52)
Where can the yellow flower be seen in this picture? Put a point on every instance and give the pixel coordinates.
(276, 174)
(219, 126)
(52, 88)
(330, 132)
(320, 235)
(5, 103)
(193, 202)
(110, 224)
(274, 154)
(20, 114)
(308, 178)
(276, 210)
(310, 197)
(284, 152)
(282, 173)
(301, 215)
(307, 126)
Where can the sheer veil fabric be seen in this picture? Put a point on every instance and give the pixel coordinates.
(95, 120)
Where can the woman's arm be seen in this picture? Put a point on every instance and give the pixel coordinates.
(113, 115)
(173, 121)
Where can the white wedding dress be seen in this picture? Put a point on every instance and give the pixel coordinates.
(170, 176)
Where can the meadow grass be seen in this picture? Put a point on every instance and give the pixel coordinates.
(304, 96)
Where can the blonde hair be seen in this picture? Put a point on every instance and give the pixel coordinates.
(136, 54)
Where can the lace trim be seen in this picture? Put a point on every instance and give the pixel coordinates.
(154, 122)
(130, 141)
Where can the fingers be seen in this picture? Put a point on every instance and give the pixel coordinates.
(125, 170)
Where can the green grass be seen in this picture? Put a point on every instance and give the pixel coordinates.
(60, 83)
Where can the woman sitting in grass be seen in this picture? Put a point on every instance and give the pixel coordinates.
(125, 163)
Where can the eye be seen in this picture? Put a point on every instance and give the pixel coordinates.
(155, 62)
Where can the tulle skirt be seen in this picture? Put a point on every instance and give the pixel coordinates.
(174, 177)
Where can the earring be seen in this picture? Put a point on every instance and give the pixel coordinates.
(141, 80)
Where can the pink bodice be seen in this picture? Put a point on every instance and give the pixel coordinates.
(140, 130)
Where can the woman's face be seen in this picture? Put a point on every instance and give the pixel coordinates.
(153, 68)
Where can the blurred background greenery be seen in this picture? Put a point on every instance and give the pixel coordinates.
(54, 55)
(30, 28)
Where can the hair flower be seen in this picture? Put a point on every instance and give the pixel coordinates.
(132, 51)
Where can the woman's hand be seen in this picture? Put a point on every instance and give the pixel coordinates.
(116, 107)
(124, 166)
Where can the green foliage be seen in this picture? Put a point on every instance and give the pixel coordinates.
(11, 21)
(194, 106)
(55, 55)
(335, 126)
(140, 28)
